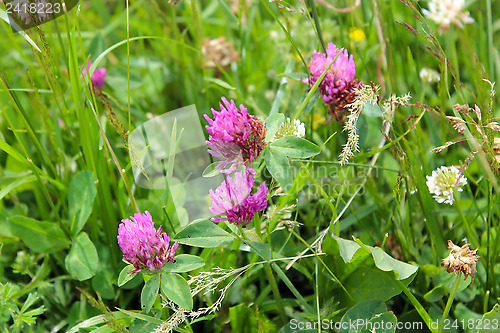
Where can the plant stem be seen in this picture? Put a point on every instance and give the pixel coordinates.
(473, 241)
(317, 294)
(420, 309)
(468, 230)
(312, 8)
(323, 194)
(269, 273)
(489, 267)
(276, 293)
(449, 302)
(322, 262)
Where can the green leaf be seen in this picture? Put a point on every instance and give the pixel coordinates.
(295, 147)
(361, 313)
(11, 151)
(184, 263)
(220, 83)
(362, 126)
(82, 192)
(101, 56)
(435, 294)
(462, 312)
(125, 276)
(211, 170)
(311, 103)
(32, 298)
(372, 110)
(300, 299)
(490, 321)
(203, 233)
(141, 316)
(97, 43)
(282, 88)
(262, 249)
(102, 283)
(97, 320)
(447, 281)
(40, 237)
(149, 293)
(82, 260)
(382, 323)
(382, 260)
(22, 180)
(431, 270)
(4, 16)
(278, 165)
(273, 123)
(361, 281)
(293, 76)
(242, 319)
(177, 290)
(251, 234)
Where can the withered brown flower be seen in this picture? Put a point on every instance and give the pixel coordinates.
(219, 51)
(461, 259)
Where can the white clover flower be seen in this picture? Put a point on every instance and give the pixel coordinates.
(446, 12)
(442, 183)
(288, 127)
(428, 75)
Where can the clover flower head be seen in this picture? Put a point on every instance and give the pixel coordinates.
(429, 75)
(443, 181)
(339, 84)
(446, 12)
(97, 77)
(234, 136)
(337, 79)
(461, 259)
(289, 127)
(219, 51)
(142, 245)
(232, 201)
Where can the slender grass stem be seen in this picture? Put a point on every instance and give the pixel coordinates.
(317, 26)
(472, 238)
(276, 292)
(416, 304)
(449, 302)
(316, 281)
(321, 191)
(322, 262)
